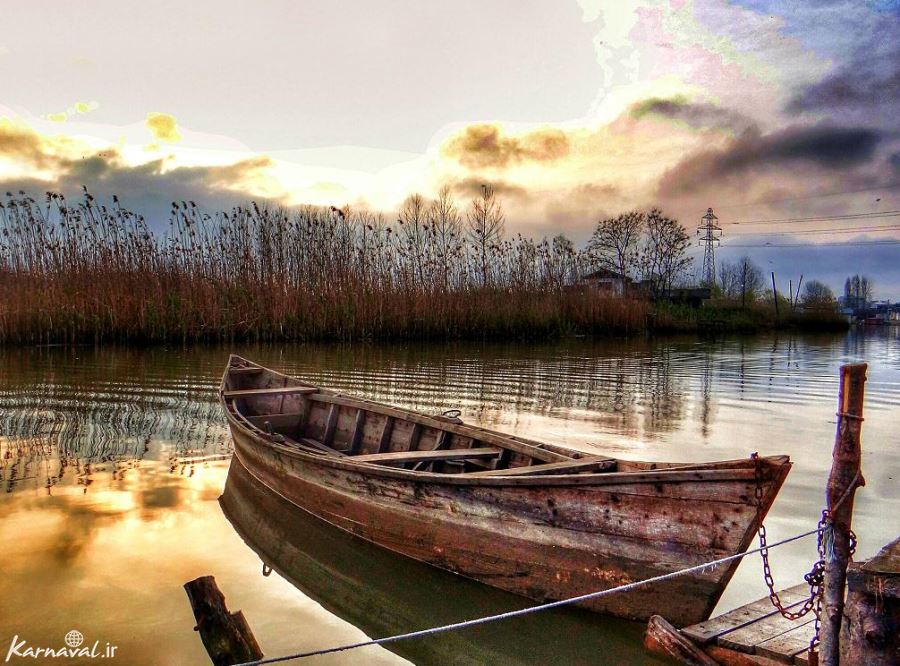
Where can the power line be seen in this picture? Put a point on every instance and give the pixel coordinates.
(824, 218)
(836, 230)
(836, 243)
(837, 193)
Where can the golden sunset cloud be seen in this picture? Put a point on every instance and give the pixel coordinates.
(163, 127)
(78, 108)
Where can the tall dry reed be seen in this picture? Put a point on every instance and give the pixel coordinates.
(91, 272)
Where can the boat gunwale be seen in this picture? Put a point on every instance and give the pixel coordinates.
(777, 466)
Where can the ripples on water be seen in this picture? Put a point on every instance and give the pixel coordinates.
(139, 436)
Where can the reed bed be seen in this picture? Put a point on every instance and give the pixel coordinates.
(92, 272)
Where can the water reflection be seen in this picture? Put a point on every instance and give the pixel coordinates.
(112, 461)
(65, 413)
(385, 594)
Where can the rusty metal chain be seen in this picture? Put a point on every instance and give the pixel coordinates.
(815, 576)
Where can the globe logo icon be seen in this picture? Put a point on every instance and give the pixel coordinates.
(74, 638)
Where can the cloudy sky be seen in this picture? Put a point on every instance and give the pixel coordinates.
(768, 112)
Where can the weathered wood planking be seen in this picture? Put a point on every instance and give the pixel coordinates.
(277, 421)
(708, 631)
(420, 456)
(661, 637)
(278, 390)
(872, 613)
(790, 643)
(747, 638)
(759, 629)
(581, 465)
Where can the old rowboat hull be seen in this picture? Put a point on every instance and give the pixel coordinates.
(547, 537)
(350, 577)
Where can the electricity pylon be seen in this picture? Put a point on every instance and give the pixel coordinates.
(710, 235)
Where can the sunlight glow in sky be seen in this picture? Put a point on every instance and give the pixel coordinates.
(573, 111)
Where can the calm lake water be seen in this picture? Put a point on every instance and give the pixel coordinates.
(114, 464)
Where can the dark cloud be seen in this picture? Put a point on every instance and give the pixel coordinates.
(485, 145)
(148, 188)
(698, 115)
(822, 146)
(21, 144)
(894, 162)
(864, 86)
(471, 187)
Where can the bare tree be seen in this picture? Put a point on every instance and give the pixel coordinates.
(741, 279)
(414, 233)
(446, 233)
(486, 222)
(818, 295)
(616, 241)
(857, 291)
(559, 261)
(664, 256)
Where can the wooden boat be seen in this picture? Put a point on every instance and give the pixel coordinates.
(383, 593)
(534, 519)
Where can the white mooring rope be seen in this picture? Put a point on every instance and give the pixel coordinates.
(524, 611)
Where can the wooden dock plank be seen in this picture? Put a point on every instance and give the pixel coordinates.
(707, 631)
(802, 658)
(746, 638)
(790, 643)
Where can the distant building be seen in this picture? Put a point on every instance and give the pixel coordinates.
(607, 282)
(880, 313)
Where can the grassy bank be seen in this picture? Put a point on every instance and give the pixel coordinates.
(91, 273)
(731, 316)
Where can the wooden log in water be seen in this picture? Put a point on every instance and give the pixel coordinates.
(663, 638)
(844, 479)
(226, 636)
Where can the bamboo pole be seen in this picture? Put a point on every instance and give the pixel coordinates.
(844, 479)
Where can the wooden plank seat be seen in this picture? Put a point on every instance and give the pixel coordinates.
(579, 465)
(316, 444)
(398, 457)
(282, 390)
(276, 421)
(248, 370)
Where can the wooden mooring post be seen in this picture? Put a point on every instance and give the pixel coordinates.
(843, 481)
(226, 636)
(757, 634)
